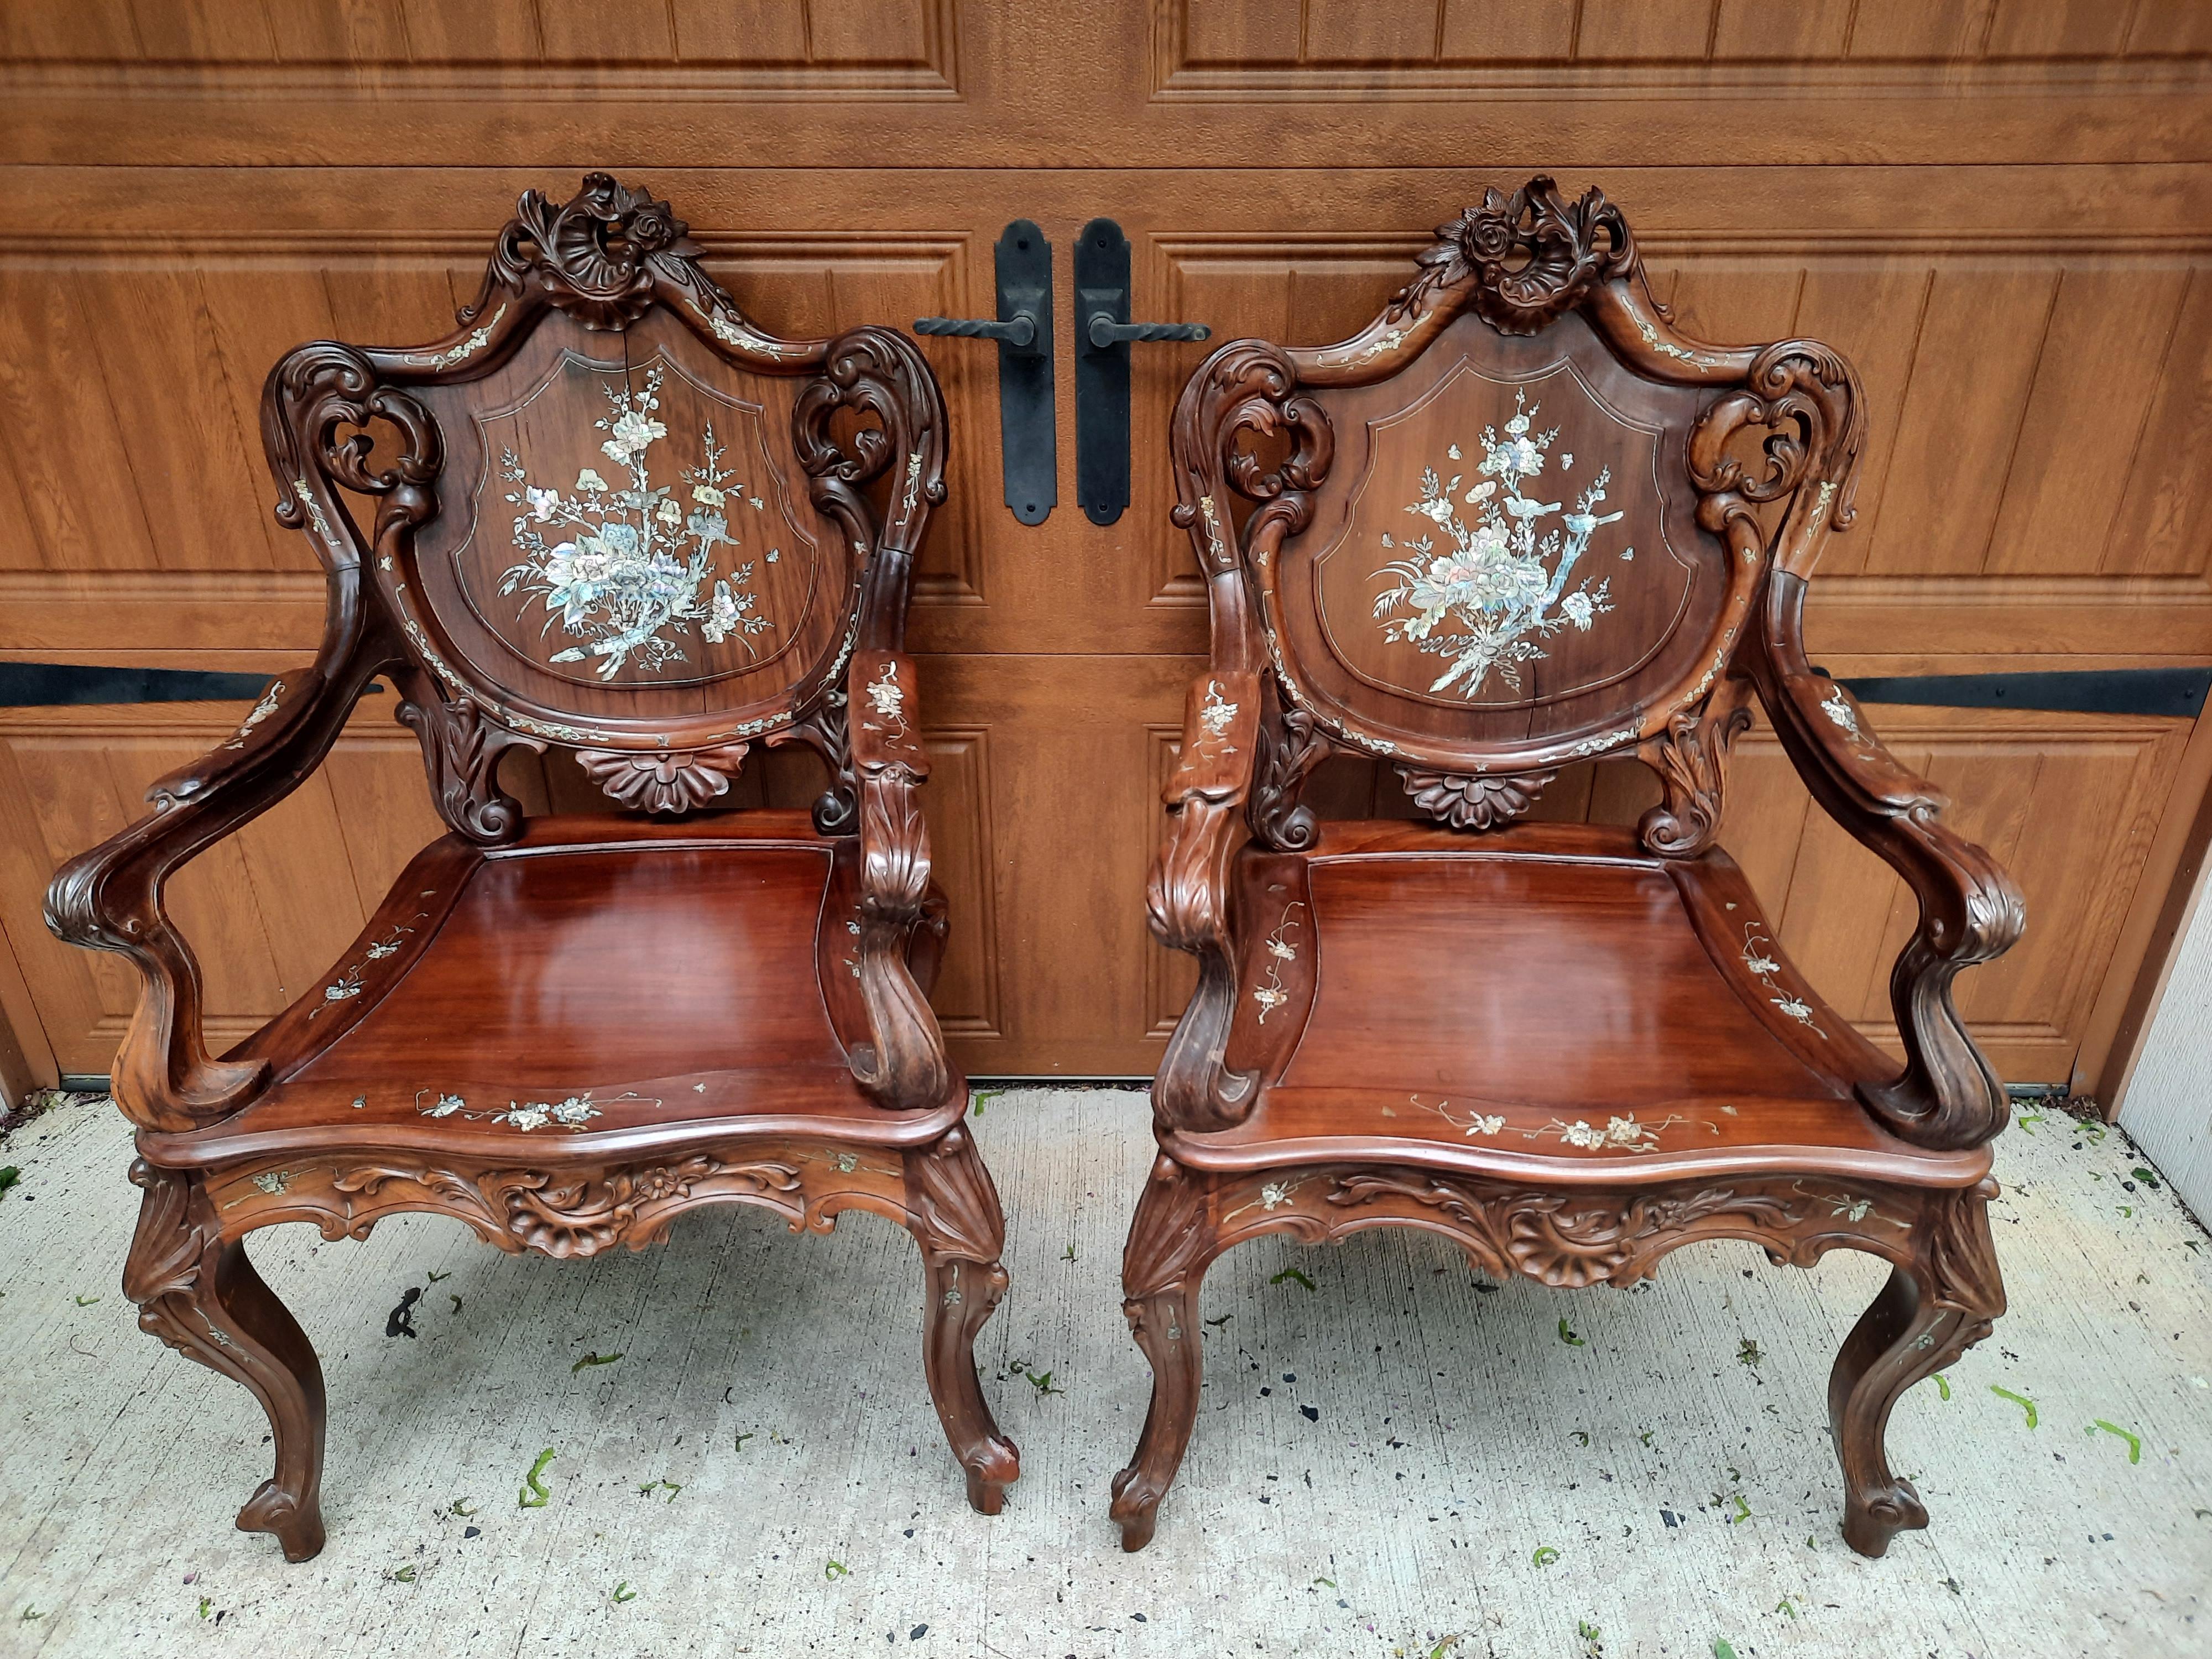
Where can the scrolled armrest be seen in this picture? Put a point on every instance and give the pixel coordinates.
(1948, 1096)
(1186, 899)
(110, 899)
(904, 1066)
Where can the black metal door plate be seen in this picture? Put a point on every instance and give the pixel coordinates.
(1023, 331)
(1102, 337)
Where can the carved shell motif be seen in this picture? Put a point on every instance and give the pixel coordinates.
(1473, 803)
(668, 780)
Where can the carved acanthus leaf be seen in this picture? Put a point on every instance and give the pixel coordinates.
(1960, 1258)
(460, 753)
(166, 1249)
(1692, 760)
(1172, 1235)
(1291, 746)
(1474, 801)
(664, 780)
(953, 1205)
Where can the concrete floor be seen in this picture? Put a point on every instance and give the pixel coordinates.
(1385, 1459)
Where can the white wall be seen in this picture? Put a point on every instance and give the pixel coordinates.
(2168, 1104)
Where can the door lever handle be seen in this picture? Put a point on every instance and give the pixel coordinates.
(1106, 333)
(1023, 328)
(1020, 332)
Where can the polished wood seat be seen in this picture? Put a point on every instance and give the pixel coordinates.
(1607, 1027)
(609, 515)
(1516, 523)
(612, 976)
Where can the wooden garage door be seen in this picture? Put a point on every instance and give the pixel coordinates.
(1999, 208)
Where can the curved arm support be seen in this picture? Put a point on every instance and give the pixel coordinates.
(110, 899)
(1187, 900)
(903, 1064)
(1946, 1098)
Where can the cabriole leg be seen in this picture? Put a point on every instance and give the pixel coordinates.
(1928, 1314)
(203, 1297)
(1171, 1240)
(956, 1220)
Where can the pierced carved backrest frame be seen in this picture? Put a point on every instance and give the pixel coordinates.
(1751, 454)
(656, 665)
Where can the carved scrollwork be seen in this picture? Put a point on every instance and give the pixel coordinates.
(1532, 256)
(664, 780)
(1692, 760)
(1473, 801)
(1247, 387)
(559, 1214)
(461, 752)
(877, 374)
(1808, 401)
(316, 392)
(1290, 746)
(592, 256)
(1570, 1240)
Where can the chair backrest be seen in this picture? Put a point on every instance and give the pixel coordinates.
(613, 513)
(1516, 522)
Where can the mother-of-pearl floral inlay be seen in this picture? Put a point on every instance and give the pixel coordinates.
(632, 579)
(573, 1113)
(1840, 714)
(1765, 968)
(1270, 994)
(1214, 715)
(1621, 1132)
(260, 711)
(887, 696)
(1486, 601)
(478, 340)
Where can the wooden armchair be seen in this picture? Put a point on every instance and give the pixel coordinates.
(1517, 522)
(610, 514)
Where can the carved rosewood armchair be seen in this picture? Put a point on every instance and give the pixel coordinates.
(1517, 522)
(614, 515)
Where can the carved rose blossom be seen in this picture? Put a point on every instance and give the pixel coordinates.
(653, 227)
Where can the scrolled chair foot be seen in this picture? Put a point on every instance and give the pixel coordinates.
(1935, 1306)
(1136, 1507)
(955, 1217)
(201, 1296)
(296, 1526)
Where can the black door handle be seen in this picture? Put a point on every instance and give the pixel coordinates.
(1106, 333)
(1101, 368)
(1028, 450)
(1022, 332)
